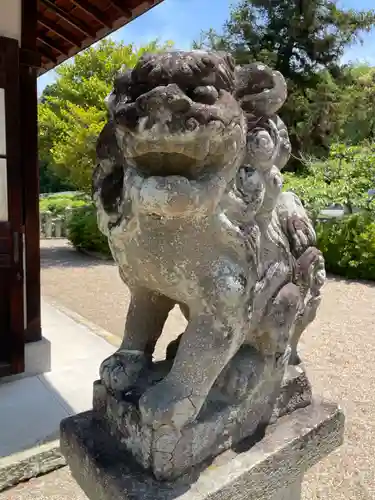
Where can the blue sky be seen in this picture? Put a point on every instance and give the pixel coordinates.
(183, 20)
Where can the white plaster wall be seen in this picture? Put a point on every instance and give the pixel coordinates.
(10, 18)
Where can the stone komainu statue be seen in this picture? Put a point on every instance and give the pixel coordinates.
(188, 191)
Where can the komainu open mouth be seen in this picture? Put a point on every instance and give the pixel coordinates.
(164, 164)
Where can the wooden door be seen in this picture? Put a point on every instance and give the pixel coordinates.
(11, 302)
(11, 223)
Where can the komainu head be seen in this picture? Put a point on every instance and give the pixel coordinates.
(175, 113)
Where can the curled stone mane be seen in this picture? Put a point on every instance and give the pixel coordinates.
(185, 69)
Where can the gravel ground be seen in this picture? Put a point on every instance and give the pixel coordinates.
(338, 350)
(93, 289)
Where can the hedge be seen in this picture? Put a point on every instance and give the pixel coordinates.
(83, 231)
(348, 245)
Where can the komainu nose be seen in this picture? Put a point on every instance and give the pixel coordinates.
(168, 98)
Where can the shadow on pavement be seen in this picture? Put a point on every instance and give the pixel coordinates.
(58, 253)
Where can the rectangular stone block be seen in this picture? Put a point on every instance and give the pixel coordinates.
(270, 469)
(169, 452)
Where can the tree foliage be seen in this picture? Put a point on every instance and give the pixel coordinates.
(345, 178)
(72, 111)
(49, 182)
(305, 40)
(357, 104)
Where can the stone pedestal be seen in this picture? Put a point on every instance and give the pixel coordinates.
(225, 419)
(270, 469)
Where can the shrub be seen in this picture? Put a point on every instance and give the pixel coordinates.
(83, 231)
(345, 178)
(57, 204)
(348, 246)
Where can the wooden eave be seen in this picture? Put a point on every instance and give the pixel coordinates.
(65, 27)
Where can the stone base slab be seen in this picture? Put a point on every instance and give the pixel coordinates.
(169, 452)
(223, 421)
(269, 469)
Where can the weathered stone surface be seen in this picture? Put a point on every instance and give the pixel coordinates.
(188, 191)
(271, 469)
(222, 423)
(295, 392)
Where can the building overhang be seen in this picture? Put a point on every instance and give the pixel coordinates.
(66, 27)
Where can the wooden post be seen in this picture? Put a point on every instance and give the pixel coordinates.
(30, 168)
(58, 227)
(48, 224)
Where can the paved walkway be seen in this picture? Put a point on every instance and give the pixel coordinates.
(33, 407)
(339, 351)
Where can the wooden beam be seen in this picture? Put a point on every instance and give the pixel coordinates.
(92, 11)
(58, 30)
(30, 58)
(76, 23)
(119, 5)
(47, 55)
(52, 45)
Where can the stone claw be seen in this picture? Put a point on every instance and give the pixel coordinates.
(301, 234)
(162, 404)
(121, 370)
(310, 269)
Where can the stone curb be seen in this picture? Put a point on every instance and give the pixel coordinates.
(30, 463)
(100, 332)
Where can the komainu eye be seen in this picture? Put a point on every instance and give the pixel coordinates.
(205, 94)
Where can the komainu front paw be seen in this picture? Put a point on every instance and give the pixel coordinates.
(120, 371)
(163, 404)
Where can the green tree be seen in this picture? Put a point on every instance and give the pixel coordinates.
(49, 182)
(357, 104)
(305, 40)
(72, 111)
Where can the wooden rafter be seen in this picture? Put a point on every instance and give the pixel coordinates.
(119, 5)
(52, 45)
(66, 27)
(66, 16)
(58, 30)
(93, 12)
